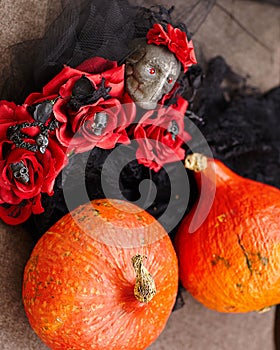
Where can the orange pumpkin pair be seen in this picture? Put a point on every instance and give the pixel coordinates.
(105, 276)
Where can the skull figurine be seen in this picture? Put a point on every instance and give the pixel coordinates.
(20, 172)
(42, 141)
(99, 123)
(151, 72)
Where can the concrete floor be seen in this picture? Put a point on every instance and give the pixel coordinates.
(194, 326)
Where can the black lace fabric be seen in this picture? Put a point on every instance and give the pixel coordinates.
(241, 125)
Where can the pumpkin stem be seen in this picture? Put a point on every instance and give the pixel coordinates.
(265, 309)
(144, 289)
(196, 162)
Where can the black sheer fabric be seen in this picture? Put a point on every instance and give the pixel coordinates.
(240, 125)
(84, 29)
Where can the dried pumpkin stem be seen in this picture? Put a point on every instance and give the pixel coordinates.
(196, 162)
(265, 309)
(144, 289)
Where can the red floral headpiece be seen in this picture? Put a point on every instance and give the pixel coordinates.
(176, 42)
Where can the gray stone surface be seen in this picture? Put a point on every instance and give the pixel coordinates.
(196, 328)
(15, 332)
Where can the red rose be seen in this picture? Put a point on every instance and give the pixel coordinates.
(102, 124)
(65, 80)
(95, 65)
(78, 112)
(11, 114)
(161, 137)
(25, 174)
(23, 156)
(30, 160)
(176, 41)
(17, 214)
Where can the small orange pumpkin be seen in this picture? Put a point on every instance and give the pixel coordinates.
(103, 277)
(231, 262)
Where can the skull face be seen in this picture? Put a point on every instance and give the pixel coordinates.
(99, 123)
(151, 75)
(42, 141)
(20, 172)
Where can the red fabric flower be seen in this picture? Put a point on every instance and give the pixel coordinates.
(76, 124)
(160, 137)
(76, 129)
(25, 174)
(26, 170)
(42, 168)
(176, 41)
(94, 69)
(96, 65)
(11, 114)
(19, 213)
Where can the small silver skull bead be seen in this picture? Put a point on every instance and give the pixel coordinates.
(42, 141)
(99, 123)
(173, 129)
(20, 172)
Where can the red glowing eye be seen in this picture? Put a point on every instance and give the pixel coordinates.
(152, 71)
(170, 80)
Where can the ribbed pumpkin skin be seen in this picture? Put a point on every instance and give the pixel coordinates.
(231, 263)
(78, 291)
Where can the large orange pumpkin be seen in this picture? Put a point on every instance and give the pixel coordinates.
(231, 262)
(104, 277)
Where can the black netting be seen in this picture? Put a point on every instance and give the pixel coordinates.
(240, 124)
(84, 29)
